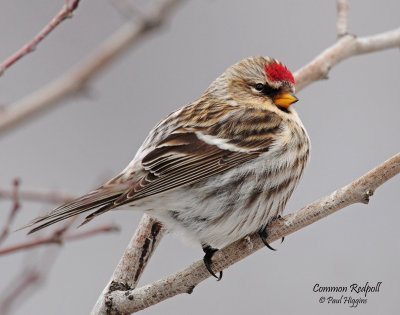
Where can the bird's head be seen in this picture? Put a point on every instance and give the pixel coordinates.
(260, 82)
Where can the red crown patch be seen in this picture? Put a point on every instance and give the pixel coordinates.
(278, 72)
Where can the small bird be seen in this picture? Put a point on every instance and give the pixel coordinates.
(217, 169)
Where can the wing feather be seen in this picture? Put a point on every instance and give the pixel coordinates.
(184, 163)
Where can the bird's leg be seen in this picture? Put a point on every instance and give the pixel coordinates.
(209, 252)
(280, 218)
(264, 235)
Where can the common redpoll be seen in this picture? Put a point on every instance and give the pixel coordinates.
(217, 169)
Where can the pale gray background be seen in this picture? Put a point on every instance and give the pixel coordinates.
(352, 119)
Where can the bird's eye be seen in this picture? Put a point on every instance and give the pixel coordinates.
(259, 86)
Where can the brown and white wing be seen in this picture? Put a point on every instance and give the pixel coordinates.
(182, 159)
(191, 154)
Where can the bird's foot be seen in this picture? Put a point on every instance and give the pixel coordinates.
(209, 252)
(264, 235)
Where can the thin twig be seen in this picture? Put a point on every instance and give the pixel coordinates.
(16, 205)
(98, 230)
(24, 282)
(343, 19)
(130, 301)
(57, 237)
(53, 197)
(32, 275)
(76, 79)
(64, 13)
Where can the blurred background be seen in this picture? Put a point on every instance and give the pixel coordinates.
(352, 120)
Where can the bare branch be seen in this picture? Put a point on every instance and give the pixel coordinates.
(24, 281)
(129, 301)
(75, 80)
(64, 13)
(31, 276)
(344, 48)
(125, 8)
(55, 196)
(132, 264)
(57, 237)
(91, 232)
(382, 41)
(16, 205)
(342, 20)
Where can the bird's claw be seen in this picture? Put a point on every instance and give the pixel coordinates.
(264, 235)
(282, 219)
(209, 252)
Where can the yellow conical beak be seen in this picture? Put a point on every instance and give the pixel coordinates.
(285, 99)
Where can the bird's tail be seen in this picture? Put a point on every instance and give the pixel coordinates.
(102, 198)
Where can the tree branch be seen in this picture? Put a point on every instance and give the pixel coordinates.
(14, 195)
(38, 196)
(132, 264)
(342, 20)
(128, 301)
(31, 276)
(345, 47)
(75, 80)
(25, 280)
(64, 13)
(58, 237)
(90, 232)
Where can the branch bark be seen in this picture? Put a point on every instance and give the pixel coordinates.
(64, 13)
(346, 46)
(75, 80)
(127, 301)
(342, 20)
(132, 264)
